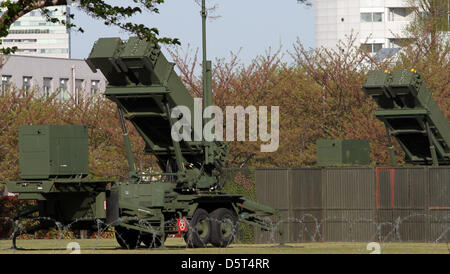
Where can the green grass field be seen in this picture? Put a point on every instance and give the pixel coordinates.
(177, 246)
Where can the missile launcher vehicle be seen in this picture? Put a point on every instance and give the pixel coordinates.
(185, 197)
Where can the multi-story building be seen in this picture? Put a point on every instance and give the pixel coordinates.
(33, 35)
(70, 77)
(377, 23)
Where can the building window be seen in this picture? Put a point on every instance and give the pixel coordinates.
(53, 51)
(95, 87)
(399, 42)
(30, 31)
(79, 85)
(63, 88)
(400, 14)
(78, 89)
(52, 41)
(26, 83)
(377, 17)
(26, 50)
(368, 17)
(6, 80)
(47, 86)
(35, 13)
(19, 40)
(372, 48)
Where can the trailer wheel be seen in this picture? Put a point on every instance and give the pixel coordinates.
(151, 240)
(129, 239)
(199, 229)
(223, 227)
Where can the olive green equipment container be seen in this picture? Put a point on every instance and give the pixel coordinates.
(53, 151)
(343, 153)
(53, 166)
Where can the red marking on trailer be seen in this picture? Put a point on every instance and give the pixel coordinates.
(182, 225)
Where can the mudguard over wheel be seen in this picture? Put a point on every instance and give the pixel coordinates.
(223, 227)
(199, 231)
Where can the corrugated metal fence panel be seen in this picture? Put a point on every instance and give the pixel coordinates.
(385, 179)
(410, 192)
(402, 199)
(307, 188)
(347, 230)
(439, 187)
(408, 189)
(439, 226)
(439, 206)
(349, 204)
(415, 195)
(360, 204)
(265, 237)
(306, 205)
(272, 189)
(350, 188)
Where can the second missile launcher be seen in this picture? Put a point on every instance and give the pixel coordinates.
(411, 116)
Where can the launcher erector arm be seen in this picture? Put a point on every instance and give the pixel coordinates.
(146, 88)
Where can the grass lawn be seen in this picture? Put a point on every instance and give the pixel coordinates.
(177, 246)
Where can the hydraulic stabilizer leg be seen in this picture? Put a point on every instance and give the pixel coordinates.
(126, 139)
(281, 231)
(391, 146)
(163, 232)
(432, 148)
(40, 226)
(16, 232)
(176, 145)
(14, 235)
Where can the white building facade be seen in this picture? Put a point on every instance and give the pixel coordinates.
(377, 23)
(34, 36)
(71, 78)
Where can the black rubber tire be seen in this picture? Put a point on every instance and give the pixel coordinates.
(151, 240)
(223, 227)
(199, 231)
(129, 239)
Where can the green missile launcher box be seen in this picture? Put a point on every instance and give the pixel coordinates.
(343, 153)
(53, 151)
(411, 115)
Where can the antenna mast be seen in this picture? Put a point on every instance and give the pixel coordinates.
(207, 74)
